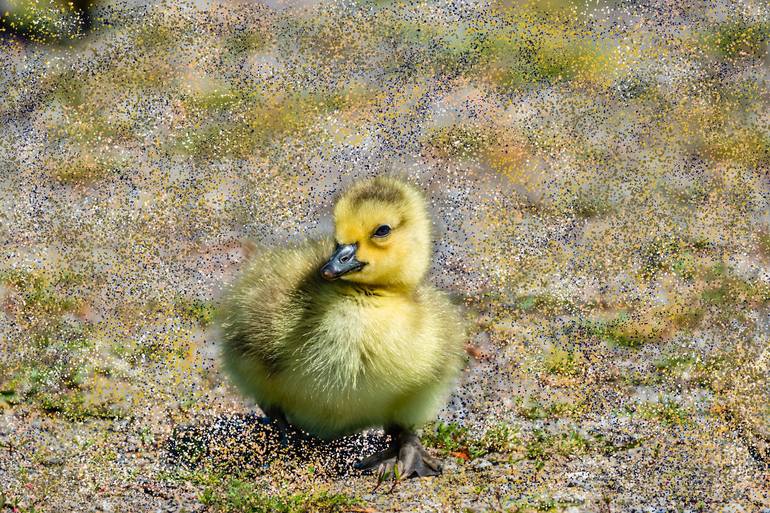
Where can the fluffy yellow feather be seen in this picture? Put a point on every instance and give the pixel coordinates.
(339, 335)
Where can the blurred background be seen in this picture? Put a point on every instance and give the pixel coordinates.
(599, 178)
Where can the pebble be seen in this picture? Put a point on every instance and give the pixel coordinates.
(481, 463)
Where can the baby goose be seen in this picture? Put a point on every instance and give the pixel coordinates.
(337, 336)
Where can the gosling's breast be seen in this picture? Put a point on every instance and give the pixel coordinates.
(363, 340)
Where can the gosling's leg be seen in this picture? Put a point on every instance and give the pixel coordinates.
(277, 416)
(406, 457)
(413, 460)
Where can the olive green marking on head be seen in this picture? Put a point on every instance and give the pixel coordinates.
(377, 191)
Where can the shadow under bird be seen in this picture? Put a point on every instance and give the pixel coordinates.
(335, 336)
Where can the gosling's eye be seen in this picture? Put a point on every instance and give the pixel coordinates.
(382, 231)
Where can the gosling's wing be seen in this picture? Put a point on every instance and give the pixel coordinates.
(443, 333)
(263, 307)
(445, 315)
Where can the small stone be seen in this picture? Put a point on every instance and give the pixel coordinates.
(578, 479)
(53, 461)
(481, 463)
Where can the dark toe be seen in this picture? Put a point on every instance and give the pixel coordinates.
(387, 468)
(414, 461)
(370, 462)
(433, 463)
(425, 469)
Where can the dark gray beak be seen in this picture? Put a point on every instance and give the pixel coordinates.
(343, 261)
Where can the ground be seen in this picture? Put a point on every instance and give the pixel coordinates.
(599, 179)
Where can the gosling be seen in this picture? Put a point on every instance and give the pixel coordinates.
(335, 336)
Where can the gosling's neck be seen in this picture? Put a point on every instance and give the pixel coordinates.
(391, 289)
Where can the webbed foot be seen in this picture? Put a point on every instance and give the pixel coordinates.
(414, 460)
(405, 458)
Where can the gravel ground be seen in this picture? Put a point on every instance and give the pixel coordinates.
(599, 178)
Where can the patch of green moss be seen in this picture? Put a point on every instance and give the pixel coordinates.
(88, 124)
(657, 255)
(602, 444)
(501, 438)
(558, 60)
(233, 495)
(74, 407)
(547, 304)
(613, 331)
(675, 362)
(41, 21)
(155, 34)
(736, 38)
(684, 266)
(698, 371)
(542, 446)
(8, 395)
(195, 310)
(83, 170)
(559, 50)
(624, 340)
(716, 295)
(45, 372)
(243, 127)
(245, 42)
(725, 289)
(424, 48)
(215, 100)
(40, 290)
(70, 91)
(53, 365)
(745, 145)
(539, 410)
(665, 410)
(457, 141)
(591, 203)
(538, 503)
(563, 362)
(453, 439)
(16, 505)
(147, 72)
(533, 410)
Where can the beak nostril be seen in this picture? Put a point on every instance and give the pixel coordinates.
(342, 261)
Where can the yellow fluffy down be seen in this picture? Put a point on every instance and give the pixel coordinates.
(344, 355)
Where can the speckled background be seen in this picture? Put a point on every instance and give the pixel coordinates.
(599, 178)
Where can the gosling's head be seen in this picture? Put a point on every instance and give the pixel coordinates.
(382, 232)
